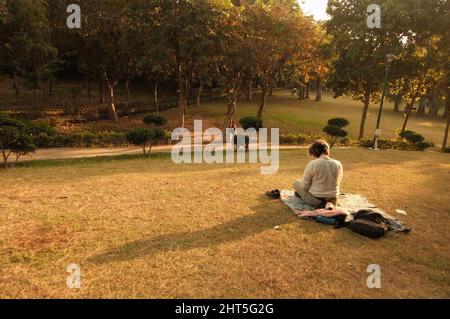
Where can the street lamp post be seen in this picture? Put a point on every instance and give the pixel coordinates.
(389, 58)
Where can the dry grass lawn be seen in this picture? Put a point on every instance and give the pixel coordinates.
(149, 228)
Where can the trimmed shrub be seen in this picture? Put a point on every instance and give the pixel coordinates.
(335, 133)
(23, 145)
(145, 137)
(421, 146)
(339, 122)
(251, 122)
(15, 138)
(155, 119)
(6, 120)
(334, 129)
(411, 137)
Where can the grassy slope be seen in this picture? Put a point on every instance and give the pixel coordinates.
(300, 116)
(138, 228)
(289, 114)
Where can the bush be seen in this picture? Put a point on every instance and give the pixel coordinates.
(87, 139)
(167, 136)
(42, 140)
(41, 133)
(339, 122)
(296, 139)
(6, 120)
(383, 143)
(64, 140)
(15, 138)
(155, 119)
(38, 128)
(23, 145)
(386, 143)
(411, 137)
(335, 133)
(110, 138)
(251, 122)
(145, 137)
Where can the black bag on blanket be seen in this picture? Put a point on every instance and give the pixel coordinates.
(369, 223)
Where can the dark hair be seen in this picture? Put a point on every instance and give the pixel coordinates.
(318, 148)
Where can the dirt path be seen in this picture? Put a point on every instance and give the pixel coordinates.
(67, 153)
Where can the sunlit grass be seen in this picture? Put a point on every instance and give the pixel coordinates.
(149, 228)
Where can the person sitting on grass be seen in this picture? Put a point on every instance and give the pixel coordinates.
(320, 185)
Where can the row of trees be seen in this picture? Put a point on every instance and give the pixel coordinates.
(233, 45)
(417, 32)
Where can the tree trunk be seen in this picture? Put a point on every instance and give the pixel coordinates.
(444, 143)
(301, 92)
(319, 89)
(35, 99)
(100, 92)
(397, 101)
(364, 114)
(433, 107)
(112, 105)
(188, 93)
(308, 88)
(50, 92)
(199, 94)
(182, 101)
(127, 88)
(5, 158)
(262, 103)
(16, 87)
(89, 88)
(446, 109)
(421, 108)
(409, 110)
(447, 115)
(155, 96)
(250, 90)
(232, 99)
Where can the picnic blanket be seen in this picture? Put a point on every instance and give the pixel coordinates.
(348, 204)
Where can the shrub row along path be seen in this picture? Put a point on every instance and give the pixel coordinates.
(68, 153)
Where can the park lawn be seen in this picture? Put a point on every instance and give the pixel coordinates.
(149, 228)
(285, 112)
(307, 116)
(282, 111)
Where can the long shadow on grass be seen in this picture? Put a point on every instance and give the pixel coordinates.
(267, 215)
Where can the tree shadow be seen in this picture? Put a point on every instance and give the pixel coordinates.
(267, 214)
